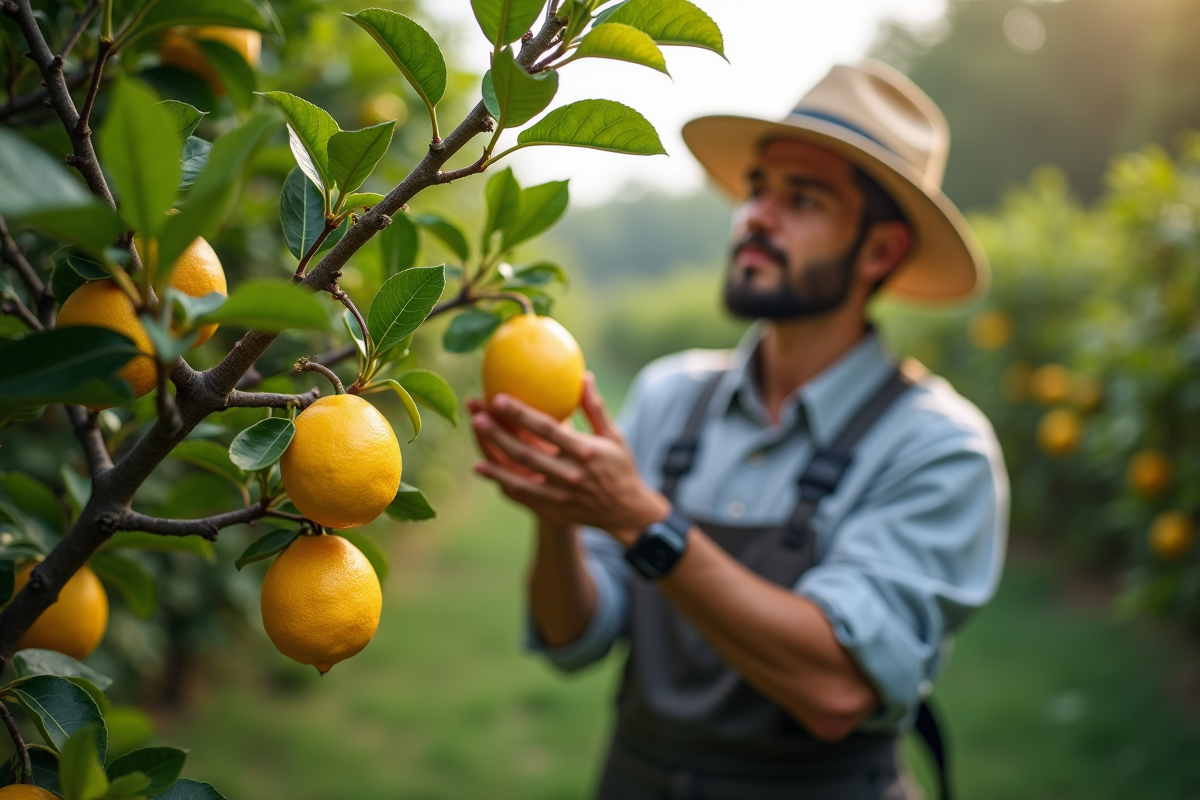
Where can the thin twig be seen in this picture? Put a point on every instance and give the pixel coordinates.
(38, 290)
(305, 365)
(463, 298)
(474, 169)
(345, 300)
(17, 309)
(205, 527)
(312, 251)
(240, 399)
(103, 52)
(80, 25)
(91, 439)
(18, 743)
(515, 297)
(37, 98)
(274, 512)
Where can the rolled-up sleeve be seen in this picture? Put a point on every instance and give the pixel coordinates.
(906, 566)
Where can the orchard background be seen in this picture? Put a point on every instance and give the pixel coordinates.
(1078, 682)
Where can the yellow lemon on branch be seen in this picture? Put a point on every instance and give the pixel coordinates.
(75, 623)
(321, 601)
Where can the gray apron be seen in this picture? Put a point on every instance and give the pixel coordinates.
(688, 726)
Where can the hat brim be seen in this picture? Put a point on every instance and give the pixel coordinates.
(945, 263)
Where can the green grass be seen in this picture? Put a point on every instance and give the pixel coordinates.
(1041, 701)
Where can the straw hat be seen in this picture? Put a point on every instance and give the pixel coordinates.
(880, 121)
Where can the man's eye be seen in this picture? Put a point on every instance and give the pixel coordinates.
(803, 200)
(756, 191)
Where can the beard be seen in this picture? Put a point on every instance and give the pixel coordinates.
(821, 286)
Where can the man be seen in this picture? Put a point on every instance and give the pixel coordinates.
(786, 534)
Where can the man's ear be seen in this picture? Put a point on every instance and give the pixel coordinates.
(884, 250)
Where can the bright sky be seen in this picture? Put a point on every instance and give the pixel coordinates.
(776, 50)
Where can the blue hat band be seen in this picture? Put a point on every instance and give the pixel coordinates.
(836, 120)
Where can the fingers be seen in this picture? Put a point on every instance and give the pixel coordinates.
(593, 408)
(524, 454)
(520, 488)
(510, 411)
(489, 448)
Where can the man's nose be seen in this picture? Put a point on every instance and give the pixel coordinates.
(761, 215)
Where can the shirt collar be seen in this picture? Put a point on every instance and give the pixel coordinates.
(827, 401)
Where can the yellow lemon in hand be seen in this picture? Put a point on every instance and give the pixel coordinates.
(321, 601)
(104, 304)
(75, 623)
(535, 360)
(179, 49)
(343, 466)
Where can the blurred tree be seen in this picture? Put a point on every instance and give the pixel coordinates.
(1066, 83)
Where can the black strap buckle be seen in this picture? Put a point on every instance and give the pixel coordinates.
(823, 473)
(680, 456)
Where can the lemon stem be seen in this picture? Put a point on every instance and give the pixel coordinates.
(304, 365)
(18, 743)
(516, 297)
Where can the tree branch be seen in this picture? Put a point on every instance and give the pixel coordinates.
(240, 399)
(38, 290)
(205, 527)
(305, 365)
(18, 743)
(17, 309)
(36, 98)
(105, 50)
(85, 17)
(91, 439)
(197, 393)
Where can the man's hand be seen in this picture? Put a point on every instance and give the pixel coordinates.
(563, 475)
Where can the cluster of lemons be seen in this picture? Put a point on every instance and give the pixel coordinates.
(1069, 397)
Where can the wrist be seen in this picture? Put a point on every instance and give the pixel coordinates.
(655, 508)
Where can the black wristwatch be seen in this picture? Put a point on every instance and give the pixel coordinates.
(661, 545)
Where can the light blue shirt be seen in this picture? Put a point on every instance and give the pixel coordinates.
(910, 544)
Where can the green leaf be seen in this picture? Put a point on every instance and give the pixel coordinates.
(432, 390)
(469, 330)
(670, 22)
(142, 162)
(410, 47)
(410, 505)
(79, 766)
(542, 273)
(362, 200)
(621, 42)
(86, 268)
(512, 95)
(309, 129)
(45, 768)
(94, 226)
(270, 305)
(261, 444)
(598, 124)
(79, 488)
(540, 207)
(399, 244)
(302, 212)
(33, 497)
(74, 364)
(354, 154)
(210, 456)
(410, 406)
(8, 575)
(195, 158)
(266, 546)
(230, 13)
(402, 304)
(450, 234)
(127, 787)
(31, 180)
(128, 727)
(59, 708)
(188, 789)
(236, 76)
(33, 661)
(133, 581)
(184, 117)
(140, 540)
(356, 333)
(371, 549)
(504, 21)
(161, 765)
(212, 195)
(503, 197)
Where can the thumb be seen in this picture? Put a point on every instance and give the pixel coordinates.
(593, 408)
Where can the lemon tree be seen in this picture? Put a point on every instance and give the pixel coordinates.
(123, 328)
(1085, 357)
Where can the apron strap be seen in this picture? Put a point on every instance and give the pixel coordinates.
(930, 731)
(682, 453)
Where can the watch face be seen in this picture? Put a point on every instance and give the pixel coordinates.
(656, 552)
(659, 554)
